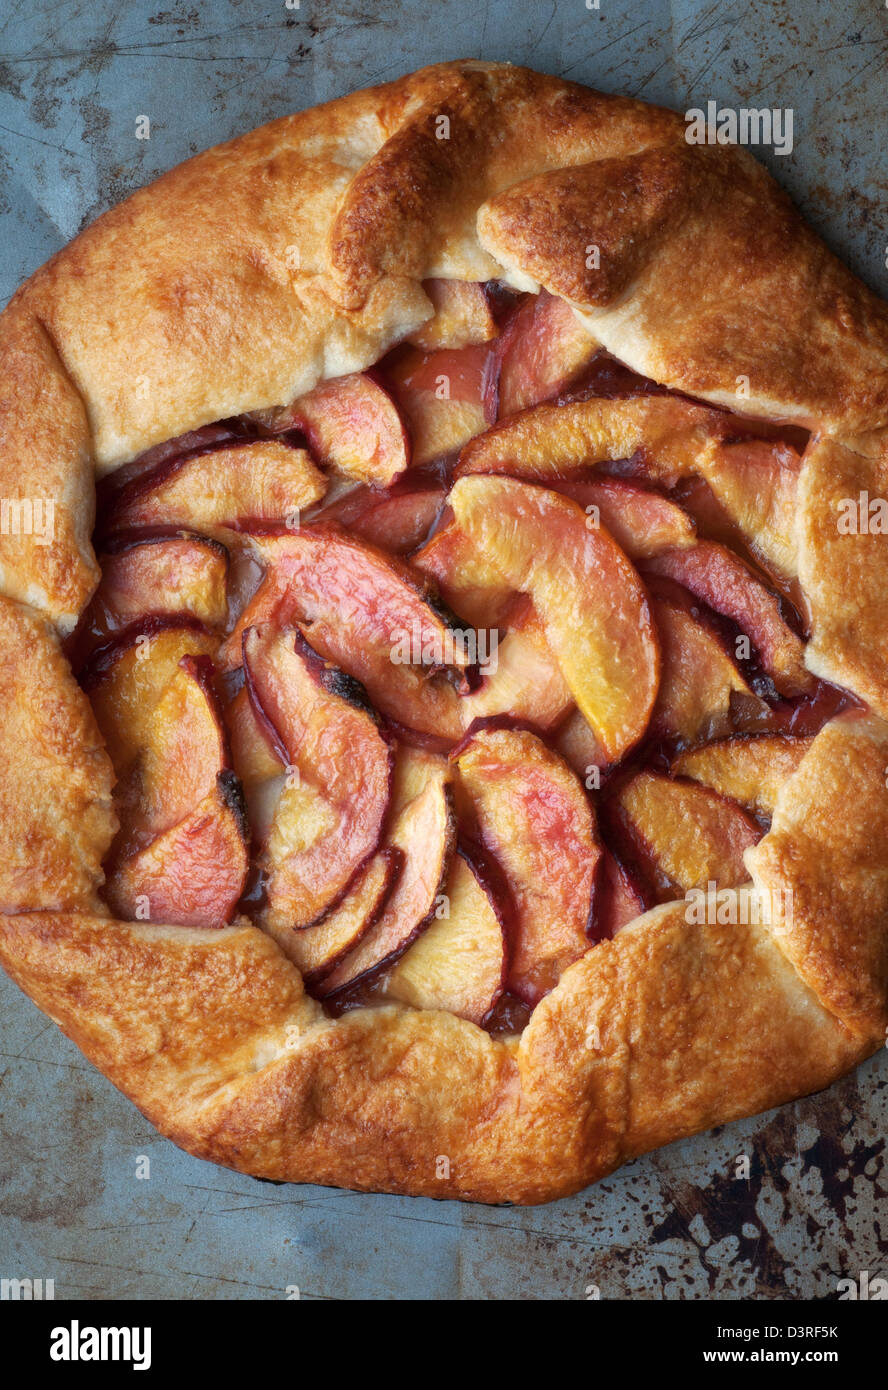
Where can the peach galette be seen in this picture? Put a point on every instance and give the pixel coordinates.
(437, 728)
(444, 746)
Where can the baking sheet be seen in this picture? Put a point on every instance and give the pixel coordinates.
(678, 1223)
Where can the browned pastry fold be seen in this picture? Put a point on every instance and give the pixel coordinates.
(56, 819)
(709, 281)
(843, 563)
(665, 1030)
(826, 871)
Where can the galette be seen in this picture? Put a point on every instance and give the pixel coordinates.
(443, 645)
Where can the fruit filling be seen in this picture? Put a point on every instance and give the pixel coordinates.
(448, 670)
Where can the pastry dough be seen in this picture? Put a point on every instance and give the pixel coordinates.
(297, 253)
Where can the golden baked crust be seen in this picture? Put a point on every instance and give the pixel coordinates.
(826, 872)
(788, 333)
(843, 562)
(56, 817)
(665, 1030)
(297, 253)
(45, 461)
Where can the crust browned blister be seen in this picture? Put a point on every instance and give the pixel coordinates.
(297, 253)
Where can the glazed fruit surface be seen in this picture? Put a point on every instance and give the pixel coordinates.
(448, 670)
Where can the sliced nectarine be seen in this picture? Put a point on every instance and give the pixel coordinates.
(459, 962)
(618, 897)
(589, 597)
(162, 574)
(684, 835)
(353, 425)
(332, 808)
(716, 575)
(462, 317)
(442, 396)
(193, 874)
(317, 949)
(533, 818)
(397, 520)
(264, 480)
(425, 832)
(750, 769)
(255, 752)
(367, 613)
(126, 678)
(642, 522)
(756, 483)
(261, 770)
(667, 435)
(185, 750)
(697, 680)
(542, 348)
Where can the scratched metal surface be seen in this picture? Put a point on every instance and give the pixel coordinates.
(679, 1223)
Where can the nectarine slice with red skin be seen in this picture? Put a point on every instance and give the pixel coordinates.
(749, 768)
(339, 766)
(717, 577)
(464, 578)
(425, 832)
(463, 316)
(369, 614)
(126, 678)
(254, 751)
(619, 898)
(397, 520)
(575, 741)
(542, 348)
(532, 816)
(193, 875)
(213, 490)
(261, 771)
(592, 603)
(186, 748)
(179, 796)
(352, 424)
(756, 483)
(697, 679)
(419, 708)
(643, 523)
(459, 962)
(316, 950)
(550, 443)
(161, 573)
(442, 396)
(684, 835)
(320, 573)
(527, 683)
